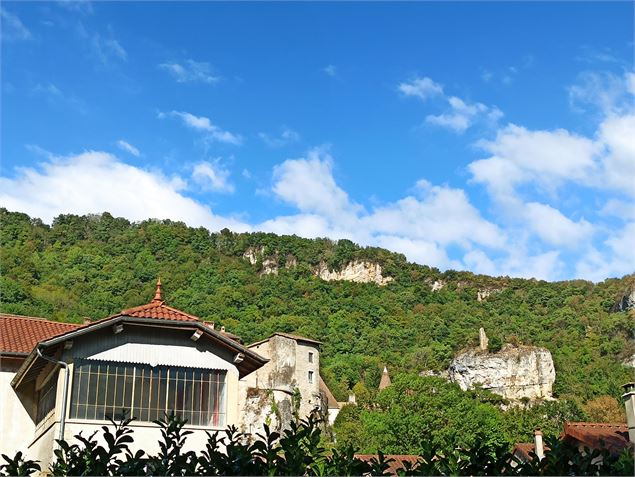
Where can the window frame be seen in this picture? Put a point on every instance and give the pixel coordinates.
(311, 357)
(47, 394)
(311, 377)
(134, 387)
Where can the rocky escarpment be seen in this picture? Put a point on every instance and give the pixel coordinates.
(360, 271)
(627, 301)
(270, 264)
(515, 373)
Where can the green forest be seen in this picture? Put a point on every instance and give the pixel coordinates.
(92, 266)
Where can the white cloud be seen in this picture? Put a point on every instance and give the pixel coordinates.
(617, 260)
(617, 133)
(422, 88)
(94, 182)
(105, 48)
(308, 184)
(330, 70)
(190, 71)
(459, 114)
(421, 227)
(556, 229)
(462, 115)
(287, 136)
(212, 176)
(203, 124)
(547, 158)
(129, 148)
(607, 92)
(12, 27)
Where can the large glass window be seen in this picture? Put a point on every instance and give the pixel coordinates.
(103, 389)
(46, 398)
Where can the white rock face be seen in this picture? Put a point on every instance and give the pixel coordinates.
(253, 254)
(627, 302)
(513, 373)
(438, 285)
(359, 271)
(269, 264)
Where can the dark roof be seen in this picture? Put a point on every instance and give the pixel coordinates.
(595, 435)
(397, 460)
(522, 450)
(330, 399)
(155, 313)
(287, 335)
(19, 334)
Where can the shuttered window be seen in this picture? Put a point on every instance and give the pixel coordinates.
(104, 389)
(46, 398)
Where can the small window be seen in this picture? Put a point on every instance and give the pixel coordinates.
(311, 377)
(46, 399)
(310, 357)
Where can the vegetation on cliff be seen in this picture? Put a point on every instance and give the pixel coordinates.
(93, 266)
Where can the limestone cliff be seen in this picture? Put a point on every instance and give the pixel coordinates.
(270, 264)
(360, 271)
(513, 373)
(626, 301)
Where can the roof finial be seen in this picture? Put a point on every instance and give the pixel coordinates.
(157, 294)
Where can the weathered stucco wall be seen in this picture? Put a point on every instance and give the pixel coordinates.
(267, 395)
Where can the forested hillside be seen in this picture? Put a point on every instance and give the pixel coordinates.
(93, 266)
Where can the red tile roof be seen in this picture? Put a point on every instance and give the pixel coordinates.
(397, 460)
(20, 334)
(612, 436)
(159, 310)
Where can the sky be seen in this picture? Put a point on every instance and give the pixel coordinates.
(493, 137)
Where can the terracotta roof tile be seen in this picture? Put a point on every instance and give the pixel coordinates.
(397, 463)
(612, 436)
(159, 310)
(20, 334)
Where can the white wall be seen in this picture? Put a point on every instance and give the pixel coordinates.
(16, 426)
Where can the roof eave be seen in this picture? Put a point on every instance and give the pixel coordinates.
(252, 360)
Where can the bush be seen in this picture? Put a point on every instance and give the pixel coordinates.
(297, 451)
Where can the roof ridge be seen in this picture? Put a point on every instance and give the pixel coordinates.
(37, 318)
(597, 424)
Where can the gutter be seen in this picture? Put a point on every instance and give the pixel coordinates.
(69, 335)
(65, 390)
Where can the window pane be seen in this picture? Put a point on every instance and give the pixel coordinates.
(103, 389)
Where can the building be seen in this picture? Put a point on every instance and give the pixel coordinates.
(287, 386)
(58, 379)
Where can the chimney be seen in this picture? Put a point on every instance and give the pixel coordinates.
(539, 448)
(629, 403)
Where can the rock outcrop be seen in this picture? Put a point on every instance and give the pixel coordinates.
(270, 264)
(626, 301)
(359, 271)
(438, 285)
(515, 373)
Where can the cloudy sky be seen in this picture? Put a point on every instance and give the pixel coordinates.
(493, 137)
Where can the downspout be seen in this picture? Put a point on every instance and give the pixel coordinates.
(64, 391)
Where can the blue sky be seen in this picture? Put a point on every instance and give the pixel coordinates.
(493, 137)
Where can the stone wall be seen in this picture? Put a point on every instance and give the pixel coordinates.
(272, 393)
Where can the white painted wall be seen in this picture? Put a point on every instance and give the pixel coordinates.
(16, 426)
